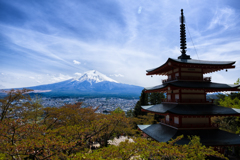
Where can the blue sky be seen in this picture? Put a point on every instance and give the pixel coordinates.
(49, 41)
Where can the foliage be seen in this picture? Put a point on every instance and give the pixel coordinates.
(29, 131)
(144, 98)
(229, 123)
(143, 101)
(142, 117)
(229, 102)
(231, 97)
(146, 119)
(220, 96)
(144, 149)
(118, 110)
(13, 105)
(156, 98)
(138, 110)
(237, 82)
(130, 113)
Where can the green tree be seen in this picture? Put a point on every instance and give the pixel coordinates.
(230, 123)
(156, 98)
(129, 113)
(67, 132)
(237, 82)
(220, 96)
(118, 110)
(59, 133)
(229, 102)
(142, 102)
(144, 98)
(34, 111)
(14, 104)
(142, 149)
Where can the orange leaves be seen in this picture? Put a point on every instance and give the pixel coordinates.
(67, 132)
(12, 105)
(145, 149)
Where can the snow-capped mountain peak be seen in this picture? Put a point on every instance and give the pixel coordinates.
(93, 76)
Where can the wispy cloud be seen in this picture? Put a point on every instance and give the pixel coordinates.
(117, 75)
(76, 62)
(78, 74)
(139, 9)
(224, 17)
(120, 36)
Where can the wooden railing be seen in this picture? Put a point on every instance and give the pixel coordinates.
(213, 125)
(187, 101)
(204, 125)
(190, 78)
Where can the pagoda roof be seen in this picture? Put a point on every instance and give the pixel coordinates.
(208, 66)
(191, 109)
(203, 62)
(208, 86)
(208, 137)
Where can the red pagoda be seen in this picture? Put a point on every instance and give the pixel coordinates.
(186, 109)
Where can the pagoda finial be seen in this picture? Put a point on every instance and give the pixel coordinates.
(183, 45)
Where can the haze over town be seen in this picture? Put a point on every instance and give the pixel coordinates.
(44, 42)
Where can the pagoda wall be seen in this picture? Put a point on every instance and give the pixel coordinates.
(185, 73)
(192, 69)
(203, 120)
(183, 94)
(192, 91)
(186, 121)
(193, 96)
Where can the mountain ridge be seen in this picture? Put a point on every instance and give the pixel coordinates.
(91, 83)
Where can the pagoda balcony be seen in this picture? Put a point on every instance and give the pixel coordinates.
(187, 78)
(187, 101)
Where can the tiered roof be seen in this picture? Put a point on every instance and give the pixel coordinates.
(191, 109)
(207, 66)
(188, 109)
(208, 137)
(207, 86)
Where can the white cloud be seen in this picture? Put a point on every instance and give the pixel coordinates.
(76, 62)
(139, 36)
(117, 75)
(60, 77)
(223, 17)
(78, 74)
(139, 9)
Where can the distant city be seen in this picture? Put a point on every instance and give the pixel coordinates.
(104, 104)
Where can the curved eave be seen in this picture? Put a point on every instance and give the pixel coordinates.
(208, 137)
(195, 109)
(161, 70)
(207, 66)
(207, 86)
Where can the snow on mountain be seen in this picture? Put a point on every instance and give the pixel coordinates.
(91, 83)
(93, 76)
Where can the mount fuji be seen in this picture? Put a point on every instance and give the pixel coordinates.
(90, 84)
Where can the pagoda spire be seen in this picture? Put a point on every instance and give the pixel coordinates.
(183, 45)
